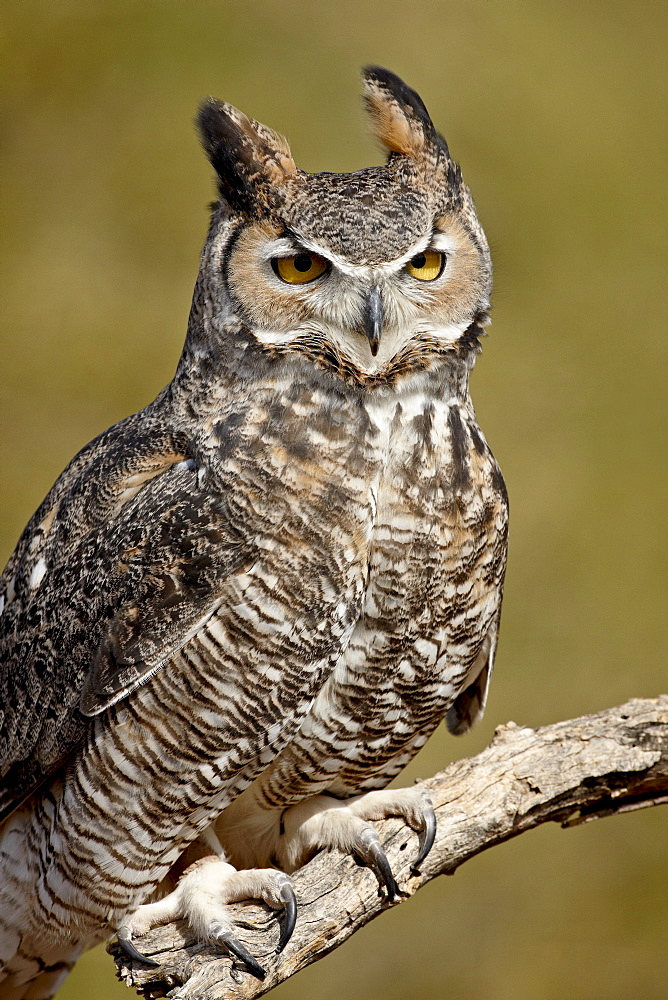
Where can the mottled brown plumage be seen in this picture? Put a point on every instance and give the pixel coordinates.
(239, 613)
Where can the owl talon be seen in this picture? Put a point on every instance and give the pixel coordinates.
(244, 956)
(426, 835)
(369, 849)
(287, 894)
(124, 937)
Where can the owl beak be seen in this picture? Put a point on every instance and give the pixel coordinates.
(373, 318)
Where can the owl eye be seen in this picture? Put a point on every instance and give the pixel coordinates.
(299, 269)
(427, 266)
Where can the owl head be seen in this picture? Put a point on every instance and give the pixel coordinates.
(370, 273)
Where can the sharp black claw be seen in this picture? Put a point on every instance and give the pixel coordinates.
(245, 956)
(287, 894)
(382, 866)
(125, 941)
(375, 856)
(427, 835)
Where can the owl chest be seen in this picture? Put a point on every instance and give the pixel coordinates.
(436, 552)
(433, 577)
(385, 512)
(435, 499)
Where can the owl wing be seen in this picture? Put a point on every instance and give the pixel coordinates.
(469, 706)
(174, 559)
(103, 608)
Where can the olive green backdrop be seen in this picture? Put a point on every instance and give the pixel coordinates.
(556, 112)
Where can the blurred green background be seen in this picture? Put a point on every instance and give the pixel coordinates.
(556, 112)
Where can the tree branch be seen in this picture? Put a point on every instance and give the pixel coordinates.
(568, 773)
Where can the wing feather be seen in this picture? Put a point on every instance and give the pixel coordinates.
(133, 554)
(469, 705)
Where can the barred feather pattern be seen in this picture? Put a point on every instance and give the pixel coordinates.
(431, 605)
(373, 537)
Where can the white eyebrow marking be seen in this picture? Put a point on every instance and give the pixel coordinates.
(281, 247)
(444, 242)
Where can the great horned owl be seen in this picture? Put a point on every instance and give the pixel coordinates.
(240, 612)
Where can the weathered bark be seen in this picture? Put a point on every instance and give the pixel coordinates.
(568, 773)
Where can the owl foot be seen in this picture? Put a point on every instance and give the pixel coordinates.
(324, 822)
(201, 897)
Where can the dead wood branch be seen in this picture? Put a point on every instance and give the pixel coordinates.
(568, 773)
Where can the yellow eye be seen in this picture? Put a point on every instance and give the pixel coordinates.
(299, 269)
(426, 266)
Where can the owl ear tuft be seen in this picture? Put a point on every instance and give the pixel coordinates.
(252, 161)
(399, 119)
